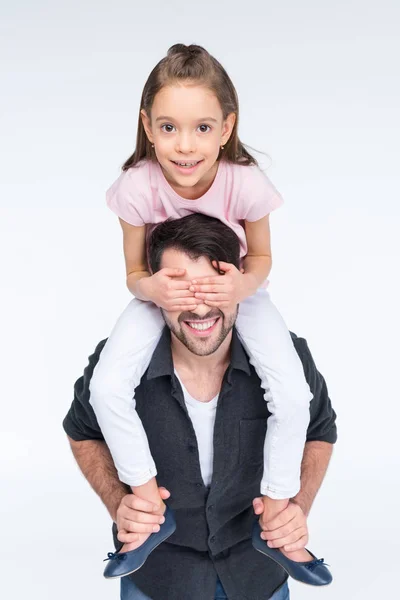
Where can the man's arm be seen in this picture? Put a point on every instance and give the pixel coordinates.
(314, 465)
(95, 462)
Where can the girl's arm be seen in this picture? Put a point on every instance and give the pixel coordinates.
(235, 285)
(258, 260)
(164, 288)
(135, 258)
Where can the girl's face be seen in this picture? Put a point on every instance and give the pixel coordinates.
(187, 129)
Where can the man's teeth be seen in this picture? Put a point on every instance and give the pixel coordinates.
(201, 326)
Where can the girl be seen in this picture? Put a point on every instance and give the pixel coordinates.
(189, 158)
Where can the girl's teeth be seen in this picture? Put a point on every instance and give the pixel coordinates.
(201, 326)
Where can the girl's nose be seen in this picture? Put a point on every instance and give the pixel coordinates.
(186, 143)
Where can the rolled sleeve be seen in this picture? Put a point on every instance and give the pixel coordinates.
(80, 423)
(322, 426)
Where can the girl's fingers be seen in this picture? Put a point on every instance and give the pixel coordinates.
(173, 294)
(215, 297)
(217, 304)
(224, 266)
(179, 285)
(183, 307)
(204, 280)
(182, 301)
(172, 272)
(215, 287)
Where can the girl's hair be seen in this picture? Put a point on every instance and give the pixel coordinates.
(191, 64)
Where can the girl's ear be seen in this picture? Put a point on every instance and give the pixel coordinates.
(147, 125)
(227, 128)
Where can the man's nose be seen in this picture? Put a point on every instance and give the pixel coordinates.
(202, 310)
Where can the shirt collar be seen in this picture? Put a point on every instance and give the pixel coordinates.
(161, 363)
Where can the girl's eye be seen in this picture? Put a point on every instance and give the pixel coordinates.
(168, 128)
(204, 128)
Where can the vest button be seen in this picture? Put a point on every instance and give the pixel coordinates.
(212, 539)
(199, 485)
(210, 508)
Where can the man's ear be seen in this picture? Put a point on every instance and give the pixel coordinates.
(147, 125)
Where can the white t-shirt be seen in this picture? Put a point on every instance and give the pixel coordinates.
(202, 415)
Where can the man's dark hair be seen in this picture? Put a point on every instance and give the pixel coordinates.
(196, 235)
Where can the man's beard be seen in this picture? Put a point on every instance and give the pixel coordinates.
(202, 346)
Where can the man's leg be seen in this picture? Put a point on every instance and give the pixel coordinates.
(281, 594)
(129, 591)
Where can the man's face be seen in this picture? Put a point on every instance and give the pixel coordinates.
(203, 330)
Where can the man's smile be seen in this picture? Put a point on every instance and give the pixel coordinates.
(201, 327)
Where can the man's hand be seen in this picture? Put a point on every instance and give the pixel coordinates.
(136, 516)
(288, 530)
(224, 290)
(167, 291)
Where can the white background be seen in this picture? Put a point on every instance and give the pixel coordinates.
(319, 91)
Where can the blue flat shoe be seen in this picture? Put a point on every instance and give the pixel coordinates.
(313, 572)
(124, 563)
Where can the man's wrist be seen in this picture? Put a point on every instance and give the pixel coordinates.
(112, 501)
(301, 501)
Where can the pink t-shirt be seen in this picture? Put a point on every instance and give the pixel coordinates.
(142, 195)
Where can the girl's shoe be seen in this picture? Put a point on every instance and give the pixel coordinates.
(125, 563)
(313, 572)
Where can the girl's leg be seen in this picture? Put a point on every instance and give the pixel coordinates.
(269, 345)
(123, 361)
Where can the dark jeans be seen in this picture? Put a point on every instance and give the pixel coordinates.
(129, 591)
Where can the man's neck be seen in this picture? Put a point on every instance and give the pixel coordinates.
(193, 368)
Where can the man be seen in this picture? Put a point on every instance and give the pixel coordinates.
(200, 381)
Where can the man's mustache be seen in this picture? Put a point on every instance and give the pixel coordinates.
(214, 313)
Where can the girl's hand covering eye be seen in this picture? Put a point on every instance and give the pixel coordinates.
(168, 292)
(221, 290)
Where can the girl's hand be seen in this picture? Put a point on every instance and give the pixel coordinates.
(166, 291)
(222, 290)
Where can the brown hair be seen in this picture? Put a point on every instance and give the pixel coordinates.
(191, 63)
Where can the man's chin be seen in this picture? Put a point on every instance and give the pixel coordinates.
(200, 345)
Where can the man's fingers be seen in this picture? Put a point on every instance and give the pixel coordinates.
(126, 538)
(299, 545)
(283, 517)
(137, 516)
(292, 538)
(282, 532)
(135, 527)
(136, 503)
